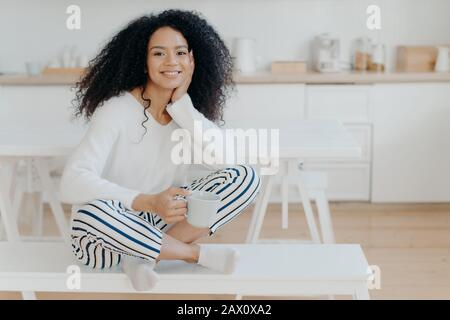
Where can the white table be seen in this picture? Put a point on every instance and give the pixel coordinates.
(307, 139)
(23, 135)
(36, 138)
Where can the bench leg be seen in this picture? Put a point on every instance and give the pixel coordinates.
(28, 295)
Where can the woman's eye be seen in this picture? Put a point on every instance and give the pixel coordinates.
(161, 53)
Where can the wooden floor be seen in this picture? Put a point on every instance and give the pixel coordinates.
(410, 243)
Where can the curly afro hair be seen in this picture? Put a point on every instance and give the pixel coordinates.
(121, 65)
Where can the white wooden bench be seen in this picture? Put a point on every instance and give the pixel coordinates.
(263, 270)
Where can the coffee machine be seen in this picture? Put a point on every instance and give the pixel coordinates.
(326, 53)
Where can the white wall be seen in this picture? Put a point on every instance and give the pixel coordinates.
(36, 30)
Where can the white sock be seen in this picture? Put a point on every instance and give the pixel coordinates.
(140, 272)
(219, 259)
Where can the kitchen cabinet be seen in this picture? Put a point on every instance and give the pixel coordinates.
(347, 179)
(411, 146)
(403, 129)
(274, 104)
(348, 103)
(265, 105)
(53, 103)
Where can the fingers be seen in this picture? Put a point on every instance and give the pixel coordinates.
(176, 215)
(176, 190)
(179, 212)
(178, 204)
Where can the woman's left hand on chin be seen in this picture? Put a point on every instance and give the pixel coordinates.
(183, 88)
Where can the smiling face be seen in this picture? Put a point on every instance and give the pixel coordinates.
(168, 58)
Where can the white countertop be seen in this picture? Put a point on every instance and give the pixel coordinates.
(263, 78)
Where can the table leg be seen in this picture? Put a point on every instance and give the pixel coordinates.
(284, 201)
(326, 224)
(10, 183)
(6, 207)
(18, 197)
(251, 227)
(55, 204)
(262, 207)
(38, 214)
(306, 203)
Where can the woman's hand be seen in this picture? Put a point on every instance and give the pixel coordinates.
(182, 89)
(164, 204)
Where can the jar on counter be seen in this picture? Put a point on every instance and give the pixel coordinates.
(361, 54)
(377, 59)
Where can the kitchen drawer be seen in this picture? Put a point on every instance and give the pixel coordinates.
(347, 103)
(265, 105)
(346, 182)
(363, 135)
(51, 104)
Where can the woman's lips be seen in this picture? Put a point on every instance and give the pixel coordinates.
(171, 74)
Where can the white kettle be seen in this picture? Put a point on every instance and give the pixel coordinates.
(244, 52)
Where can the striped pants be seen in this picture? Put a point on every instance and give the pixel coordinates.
(103, 230)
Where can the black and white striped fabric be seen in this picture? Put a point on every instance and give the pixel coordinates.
(103, 230)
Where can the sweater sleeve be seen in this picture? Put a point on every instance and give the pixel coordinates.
(185, 115)
(81, 181)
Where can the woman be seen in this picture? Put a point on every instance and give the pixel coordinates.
(126, 191)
